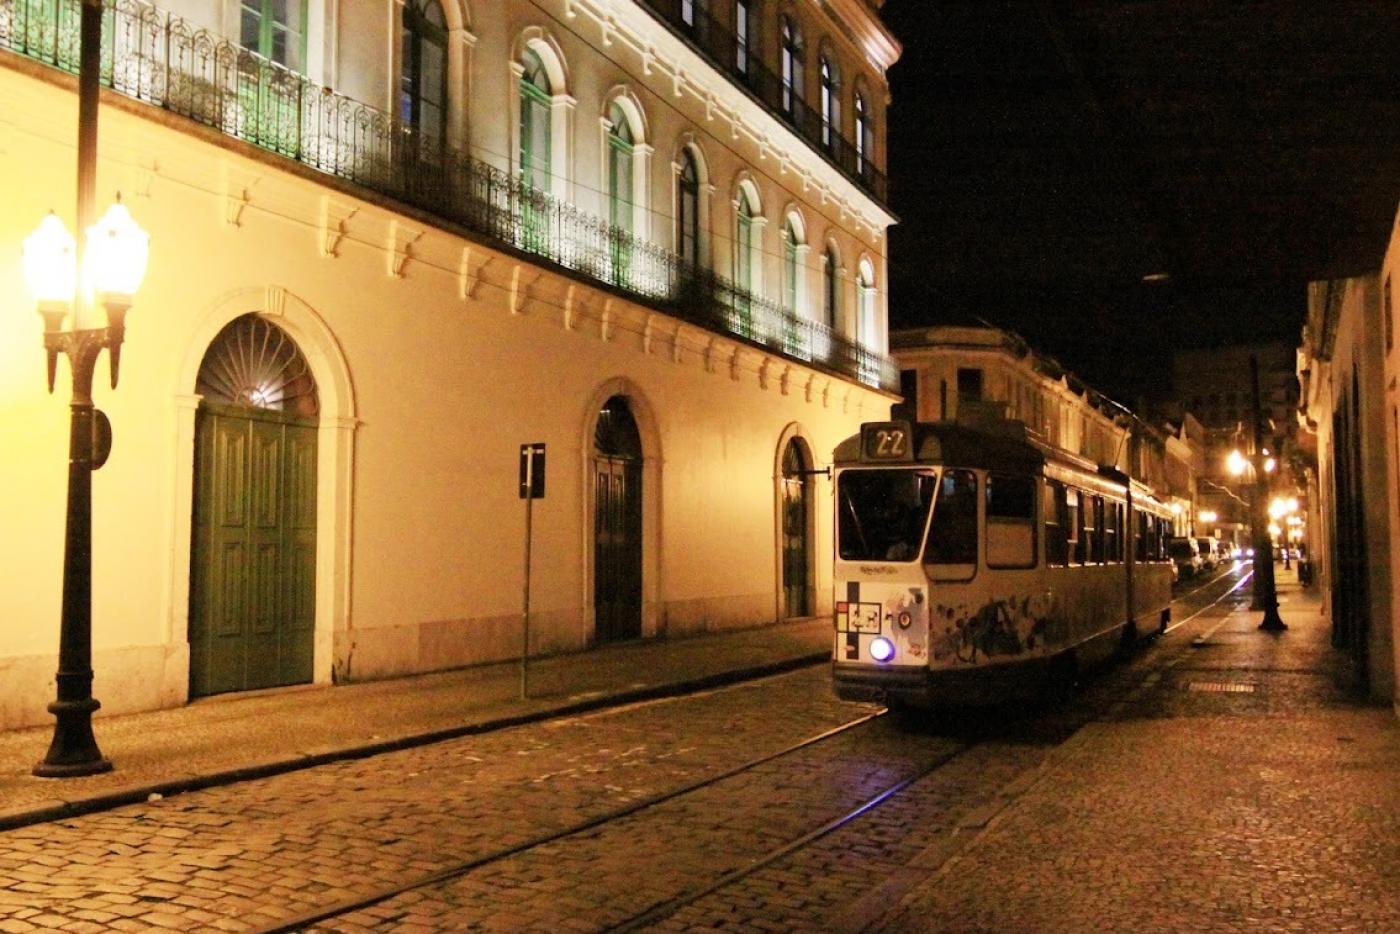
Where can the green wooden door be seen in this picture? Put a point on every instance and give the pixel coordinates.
(617, 549)
(795, 519)
(252, 574)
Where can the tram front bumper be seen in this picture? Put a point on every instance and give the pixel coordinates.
(917, 686)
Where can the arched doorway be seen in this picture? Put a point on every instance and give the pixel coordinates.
(617, 523)
(253, 543)
(796, 510)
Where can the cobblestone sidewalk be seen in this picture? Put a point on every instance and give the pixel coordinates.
(1240, 787)
(218, 740)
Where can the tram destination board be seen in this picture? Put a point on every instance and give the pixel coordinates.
(887, 442)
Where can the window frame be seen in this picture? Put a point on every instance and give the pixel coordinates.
(417, 30)
(267, 25)
(1033, 519)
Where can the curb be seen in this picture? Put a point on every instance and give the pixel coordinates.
(135, 794)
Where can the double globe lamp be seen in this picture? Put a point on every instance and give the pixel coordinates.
(113, 265)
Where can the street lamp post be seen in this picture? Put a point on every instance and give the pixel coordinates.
(110, 259)
(1265, 591)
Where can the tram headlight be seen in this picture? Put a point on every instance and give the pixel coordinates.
(881, 649)
(905, 620)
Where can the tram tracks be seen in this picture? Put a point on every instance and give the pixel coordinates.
(464, 867)
(659, 910)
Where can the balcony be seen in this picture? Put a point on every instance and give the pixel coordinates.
(154, 57)
(718, 43)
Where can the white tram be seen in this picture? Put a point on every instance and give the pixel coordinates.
(976, 565)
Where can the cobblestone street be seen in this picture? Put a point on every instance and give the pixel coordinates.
(1219, 779)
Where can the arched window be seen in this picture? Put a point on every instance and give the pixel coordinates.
(620, 155)
(743, 244)
(621, 212)
(865, 134)
(866, 325)
(831, 289)
(790, 266)
(274, 29)
(688, 210)
(791, 62)
(535, 93)
(831, 102)
(423, 69)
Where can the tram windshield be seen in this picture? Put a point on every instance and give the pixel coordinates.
(881, 514)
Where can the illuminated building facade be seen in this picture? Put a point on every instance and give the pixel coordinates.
(1347, 369)
(390, 243)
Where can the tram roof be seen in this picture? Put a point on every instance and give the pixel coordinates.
(954, 445)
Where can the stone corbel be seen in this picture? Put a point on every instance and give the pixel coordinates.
(676, 345)
(826, 395)
(238, 189)
(647, 334)
(399, 249)
(519, 292)
(334, 218)
(648, 60)
(711, 354)
(785, 381)
(763, 369)
(734, 364)
(605, 321)
(810, 388)
(469, 272)
(570, 310)
(609, 25)
(678, 82)
(711, 105)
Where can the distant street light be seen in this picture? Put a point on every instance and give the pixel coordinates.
(1265, 592)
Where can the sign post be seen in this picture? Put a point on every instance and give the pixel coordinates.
(531, 489)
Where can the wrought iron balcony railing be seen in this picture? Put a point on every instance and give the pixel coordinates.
(160, 59)
(742, 63)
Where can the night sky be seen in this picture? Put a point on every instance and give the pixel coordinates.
(1046, 156)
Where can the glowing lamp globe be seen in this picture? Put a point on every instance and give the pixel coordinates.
(51, 263)
(117, 251)
(1236, 463)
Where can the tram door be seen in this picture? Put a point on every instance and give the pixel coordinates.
(617, 523)
(252, 566)
(796, 509)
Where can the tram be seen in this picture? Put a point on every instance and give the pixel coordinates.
(975, 565)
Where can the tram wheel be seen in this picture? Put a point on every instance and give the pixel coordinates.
(1061, 679)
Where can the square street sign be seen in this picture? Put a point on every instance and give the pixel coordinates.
(532, 470)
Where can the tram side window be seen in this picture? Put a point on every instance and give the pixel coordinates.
(1144, 523)
(1093, 527)
(1112, 537)
(1076, 525)
(1010, 521)
(1110, 533)
(1056, 510)
(952, 535)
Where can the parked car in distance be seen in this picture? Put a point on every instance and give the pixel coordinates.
(1186, 555)
(1211, 555)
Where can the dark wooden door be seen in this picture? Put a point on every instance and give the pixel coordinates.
(795, 509)
(252, 573)
(617, 548)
